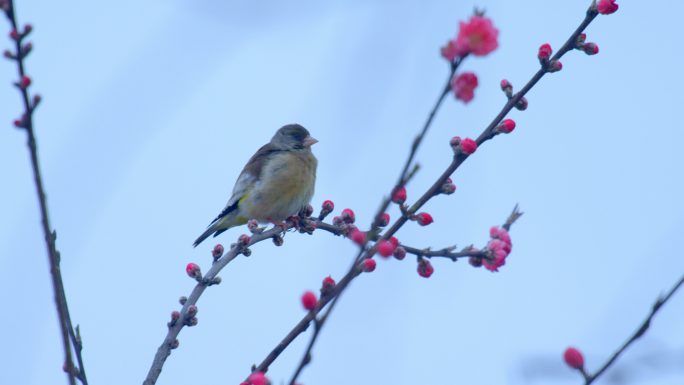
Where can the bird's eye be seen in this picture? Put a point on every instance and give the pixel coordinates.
(297, 136)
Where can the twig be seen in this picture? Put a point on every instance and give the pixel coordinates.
(642, 329)
(26, 123)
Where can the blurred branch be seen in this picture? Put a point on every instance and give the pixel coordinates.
(639, 332)
(26, 123)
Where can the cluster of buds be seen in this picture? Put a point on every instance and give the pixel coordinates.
(544, 55)
(505, 127)
(327, 208)
(496, 250)
(328, 286)
(448, 187)
(345, 222)
(507, 88)
(309, 300)
(257, 378)
(588, 48)
(423, 219)
(425, 268)
(306, 225)
(466, 146)
(606, 7)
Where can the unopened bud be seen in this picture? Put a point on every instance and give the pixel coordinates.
(277, 240)
(581, 39)
(253, 226)
(183, 300)
(247, 252)
(175, 344)
(27, 29)
(175, 315)
(522, 104)
(358, 237)
(348, 216)
(328, 286)
(193, 270)
(555, 66)
(399, 253)
(384, 220)
(399, 196)
(367, 266)
(192, 311)
(24, 82)
(218, 251)
(243, 240)
(216, 281)
(9, 54)
(308, 210)
(192, 321)
(591, 49)
(425, 268)
(36, 100)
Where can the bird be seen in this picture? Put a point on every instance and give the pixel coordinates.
(276, 183)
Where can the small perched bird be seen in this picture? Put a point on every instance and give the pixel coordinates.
(276, 183)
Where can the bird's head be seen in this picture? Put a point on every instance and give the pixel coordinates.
(292, 136)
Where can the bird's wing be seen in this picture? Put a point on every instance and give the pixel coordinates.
(249, 176)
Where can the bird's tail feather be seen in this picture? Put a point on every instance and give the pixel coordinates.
(212, 228)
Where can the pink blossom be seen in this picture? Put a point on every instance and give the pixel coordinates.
(257, 378)
(463, 86)
(497, 257)
(386, 248)
(607, 7)
(451, 51)
(309, 300)
(477, 36)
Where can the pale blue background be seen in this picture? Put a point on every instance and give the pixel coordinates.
(151, 108)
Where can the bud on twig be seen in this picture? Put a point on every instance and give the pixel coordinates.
(425, 268)
(327, 208)
(384, 220)
(192, 311)
(193, 271)
(175, 344)
(277, 240)
(555, 66)
(367, 265)
(328, 286)
(218, 251)
(522, 104)
(399, 253)
(309, 300)
(399, 196)
(183, 300)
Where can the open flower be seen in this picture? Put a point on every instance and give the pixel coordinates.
(477, 36)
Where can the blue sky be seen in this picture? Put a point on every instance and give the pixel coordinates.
(150, 110)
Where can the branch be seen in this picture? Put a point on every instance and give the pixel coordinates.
(639, 332)
(459, 158)
(26, 123)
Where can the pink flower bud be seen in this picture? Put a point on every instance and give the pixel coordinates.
(243, 240)
(506, 85)
(175, 315)
(555, 66)
(25, 81)
(545, 52)
(468, 146)
(175, 344)
(358, 237)
(455, 141)
(393, 241)
(573, 357)
(507, 126)
(327, 208)
(348, 216)
(424, 219)
(192, 321)
(368, 265)
(278, 240)
(385, 248)
(309, 300)
(591, 49)
(425, 268)
(183, 299)
(581, 39)
(607, 7)
(192, 311)
(14, 35)
(193, 270)
(384, 220)
(399, 253)
(308, 211)
(18, 123)
(399, 196)
(522, 104)
(328, 285)
(27, 29)
(258, 378)
(218, 251)
(252, 225)
(337, 221)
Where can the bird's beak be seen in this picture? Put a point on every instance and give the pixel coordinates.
(308, 141)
